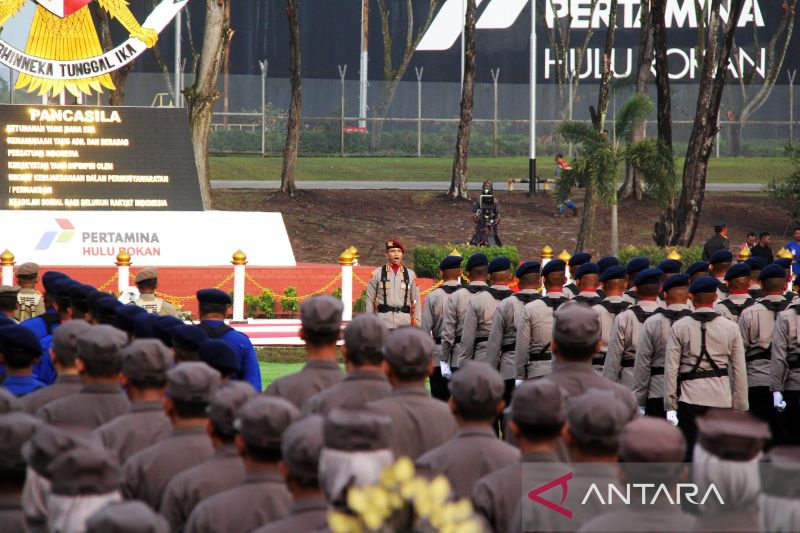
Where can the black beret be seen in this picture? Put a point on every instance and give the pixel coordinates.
(648, 276)
(637, 264)
(756, 263)
(670, 266)
(188, 337)
(739, 270)
(784, 262)
(706, 284)
(721, 256)
(528, 267)
(17, 338)
(220, 356)
(554, 265)
(586, 269)
(699, 266)
(772, 271)
(614, 272)
(213, 296)
(499, 264)
(477, 260)
(607, 262)
(49, 278)
(678, 280)
(451, 261)
(580, 258)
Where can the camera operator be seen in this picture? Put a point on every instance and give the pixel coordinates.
(486, 218)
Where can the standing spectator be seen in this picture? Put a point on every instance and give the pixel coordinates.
(718, 242)
(762, 249)
(749, 242)
(563, 187)
(794, 247)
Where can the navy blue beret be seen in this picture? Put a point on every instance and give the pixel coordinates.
(756, 263)
(706, 284)
(586, 269)
(61, 287)
(477, 260)
(106, 307)
(739, 270)
(220, 356)
(143, 326)
(18, 338)
(772, 271)
(162, 328)
(80, 292)
(648, 276)
(670, 266)
(528, 267)
(499, 264)
(785, 262)
(699, 266)
(451, 261)
(678, 280)
(580, 258)
(188, 337)
(614, 272)
(554, 265)
(213, 296)
(49, 278)
(5, 321)
(721, 256)
(637, 264)
(607, 262)
(126, 315)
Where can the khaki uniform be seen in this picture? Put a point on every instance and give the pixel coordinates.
(607, 310)
(31, 304)
(315, 377)
(478, 322)
(571, 290)
(472, 453)
(534, 334)
(577, 378)
(144, 425)
(262, 498)
(496, 495)
(309, 513)
(156, 306)
(93, 406)
(145, 474)
(630, 297)
(433, 314)
(222, 471)
(356, 390)
(648, 370)
(419, 423)
(502, 344)
(453, 322)
(65, 385)
(733, 306)
(785, 370)
(622, 340)
(396, 304)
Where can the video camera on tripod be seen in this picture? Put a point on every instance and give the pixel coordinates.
(486, 204)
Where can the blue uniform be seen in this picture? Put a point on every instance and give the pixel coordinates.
(244, 348)
(44, 370)
(794, 247)
(22, 385)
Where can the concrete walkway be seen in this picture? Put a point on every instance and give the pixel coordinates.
(424, 185)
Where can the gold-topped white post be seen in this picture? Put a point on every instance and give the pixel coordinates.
(566, 256)
(123, 270)
(239, 274)
(7, 262)
(346, 261)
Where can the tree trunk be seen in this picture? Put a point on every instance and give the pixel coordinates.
(203, 94)
(293, 126)
(119, 76)
(678, 225)
(599, 119)
(634, 183)
(458, 183)
(664, 95)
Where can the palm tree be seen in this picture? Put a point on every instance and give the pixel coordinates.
(599, 159)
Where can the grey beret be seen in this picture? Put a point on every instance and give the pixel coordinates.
(192, 382)
(365, 335)
(146, 274)
(101, 343)
(83, 471)
(263, 419)
(127, 517)
(27, 269)
(146, 360)
(476, 387)
(351, 430)
(50, 442)
(576, 325)
(15, 430)
(731, 434)
(65, 339)
(408, 351)
(9, 289)
(539, 402)
(301, 446)
(596, 418)
(322, 314)
(651, 440)
(225, 404)
(8, 402)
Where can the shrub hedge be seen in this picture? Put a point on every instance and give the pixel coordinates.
(427, 258)
(657, 254)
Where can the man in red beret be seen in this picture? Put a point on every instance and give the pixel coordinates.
(392, 291)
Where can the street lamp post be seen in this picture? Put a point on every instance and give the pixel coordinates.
(532, 154)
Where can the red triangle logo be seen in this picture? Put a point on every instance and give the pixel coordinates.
(557, 507)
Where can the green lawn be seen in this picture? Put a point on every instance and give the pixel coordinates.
(723, 170)
(272, 371)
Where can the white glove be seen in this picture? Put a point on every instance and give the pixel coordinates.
(447, 373)
(672, 417)
(641, 410)
(778, 401)
(518, 382)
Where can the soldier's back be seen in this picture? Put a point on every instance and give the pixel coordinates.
(419, 423)
(64, 386)
(315, 377)
(306, 514)
(356, 390)
(144, 425)
(577, 378)
(93, 406)
(31, 304)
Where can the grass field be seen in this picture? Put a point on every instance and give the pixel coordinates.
(272, 371)
(723, 170)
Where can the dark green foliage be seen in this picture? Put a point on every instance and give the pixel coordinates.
(788, 188)
(427, 258)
